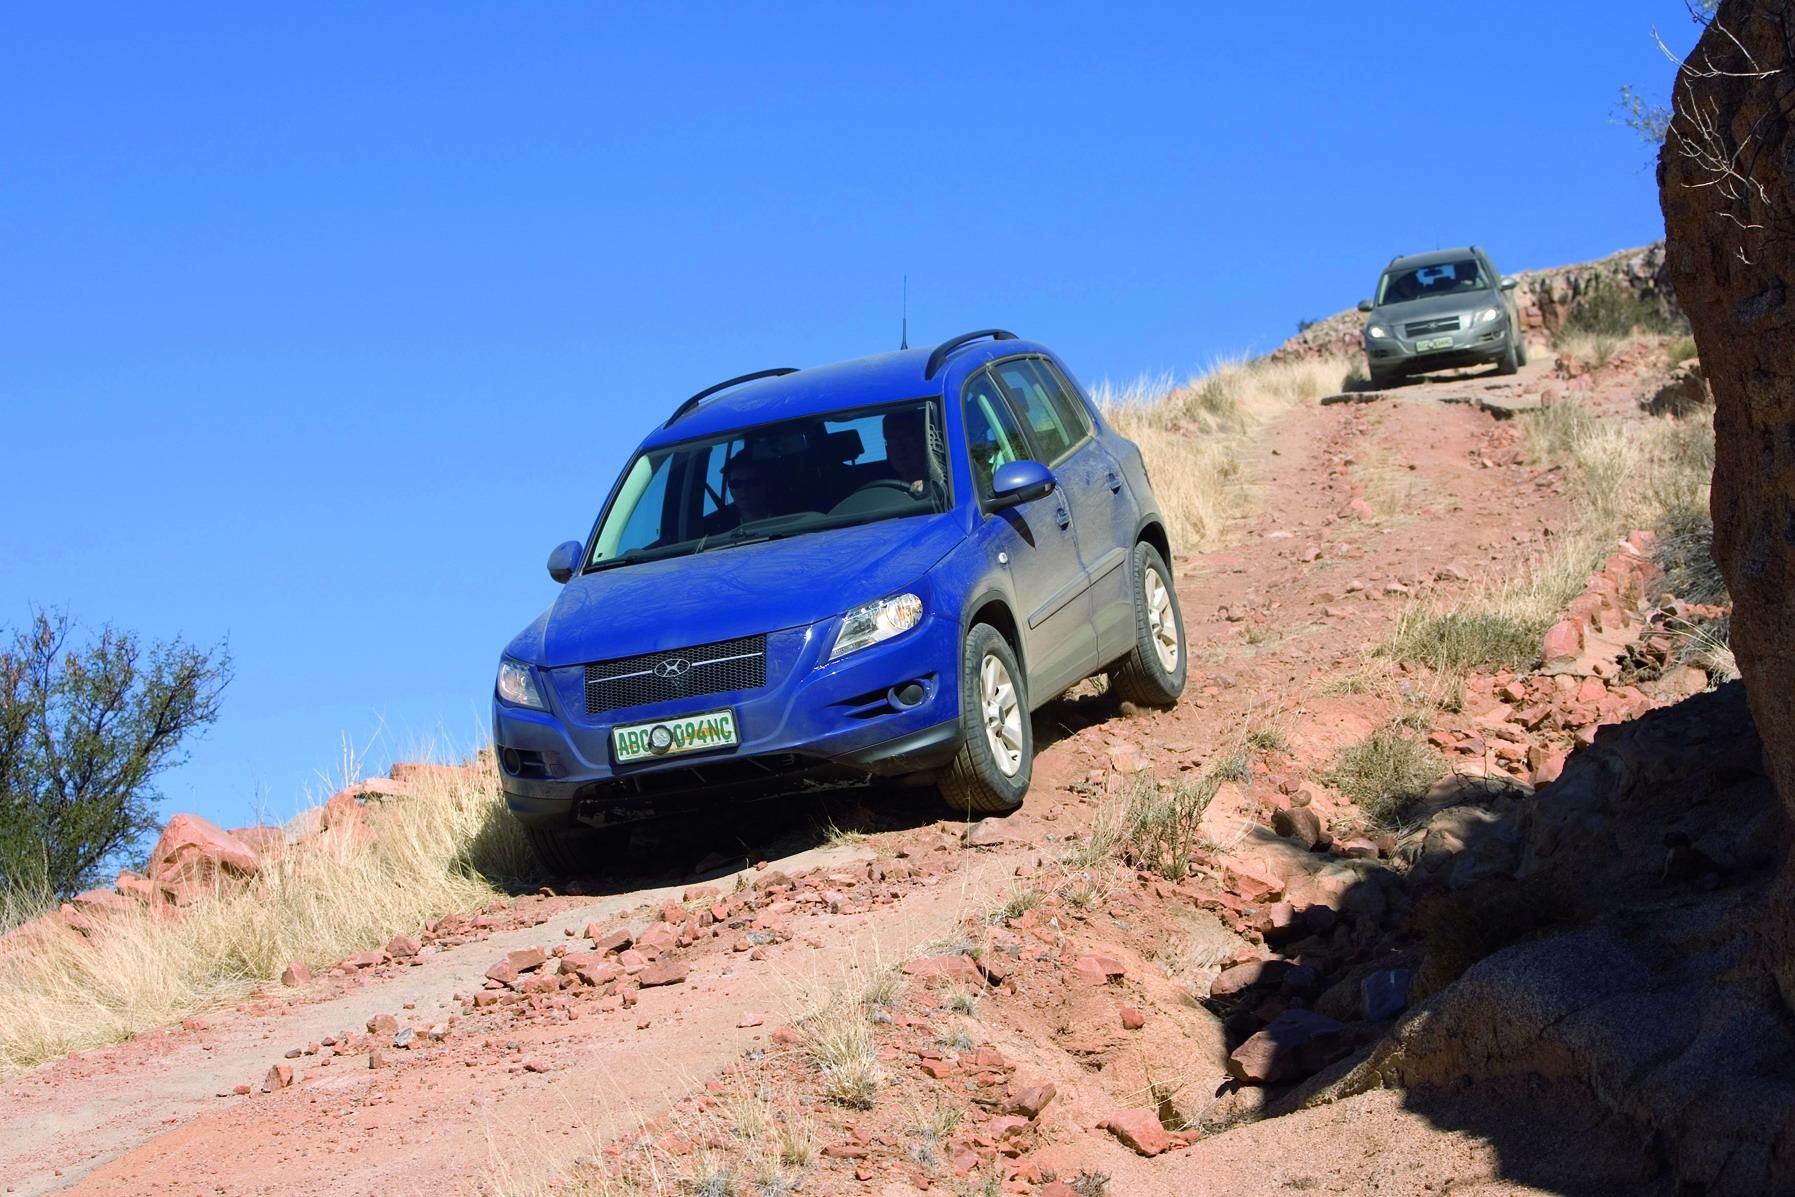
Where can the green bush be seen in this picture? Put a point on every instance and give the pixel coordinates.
(1613, 309)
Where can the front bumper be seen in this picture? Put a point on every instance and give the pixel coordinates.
(888, 710)
(1474, 346)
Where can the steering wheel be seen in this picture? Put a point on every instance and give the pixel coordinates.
(883, 484)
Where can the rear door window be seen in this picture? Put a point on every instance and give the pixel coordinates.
(1065, 400)
(1054, 434)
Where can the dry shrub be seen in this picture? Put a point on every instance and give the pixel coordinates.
(1385, 774)
(1193, 436)
(1159, 825)
(440, 850)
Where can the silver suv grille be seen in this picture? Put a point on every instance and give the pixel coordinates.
(1422, 328)
(739, 664)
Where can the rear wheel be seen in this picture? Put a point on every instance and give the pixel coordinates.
(579, 851)
(1153, 672)
(990, 773)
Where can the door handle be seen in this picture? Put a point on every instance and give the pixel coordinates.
(1062, 517)
(1115, 483)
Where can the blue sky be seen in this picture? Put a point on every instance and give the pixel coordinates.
(320, 325)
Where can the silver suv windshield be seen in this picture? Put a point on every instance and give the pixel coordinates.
(777, 480)
(1425, 282)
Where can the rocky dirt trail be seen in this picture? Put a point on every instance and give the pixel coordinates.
(643, 1010)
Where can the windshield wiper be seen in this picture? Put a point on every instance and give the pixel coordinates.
(628, 557)
(732, 540)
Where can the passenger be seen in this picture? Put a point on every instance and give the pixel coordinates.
(907, 449)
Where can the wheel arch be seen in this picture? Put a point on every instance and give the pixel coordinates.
(994, 608)
(1154, 533)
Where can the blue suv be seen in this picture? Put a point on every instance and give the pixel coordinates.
(877, 568)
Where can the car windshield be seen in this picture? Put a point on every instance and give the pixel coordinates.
(1424, 282)
(777, 480)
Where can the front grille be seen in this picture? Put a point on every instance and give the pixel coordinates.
(739, 664)
(1422, 328)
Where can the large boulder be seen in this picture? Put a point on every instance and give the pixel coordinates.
(195, 853)
(1725, 176)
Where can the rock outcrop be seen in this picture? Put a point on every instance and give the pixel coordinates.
(1640, 1012)
(1726, 177)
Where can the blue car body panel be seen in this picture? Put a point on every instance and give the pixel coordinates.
(1053, 574)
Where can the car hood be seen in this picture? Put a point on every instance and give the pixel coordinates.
(1434, 307)
(721, 594)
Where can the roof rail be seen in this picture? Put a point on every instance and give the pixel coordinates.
(952, 343)
(701, 396)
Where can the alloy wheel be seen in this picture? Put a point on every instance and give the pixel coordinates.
(1002, 714)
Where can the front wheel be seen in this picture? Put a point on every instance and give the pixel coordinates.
(1520, 351)
(1509, 362)
(990, 773)
(1153, 672)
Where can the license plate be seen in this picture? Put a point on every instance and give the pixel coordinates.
(670, 737)
(1433, 343)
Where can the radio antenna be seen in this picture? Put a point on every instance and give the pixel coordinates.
(904, 336)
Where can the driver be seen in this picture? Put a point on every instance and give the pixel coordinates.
(753, 487)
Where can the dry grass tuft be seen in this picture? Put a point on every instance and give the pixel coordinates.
(838, 1037)
(1193, 436)
(439, 851)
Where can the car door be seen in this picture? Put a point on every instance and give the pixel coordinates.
(1036, 543)
(1065, 437)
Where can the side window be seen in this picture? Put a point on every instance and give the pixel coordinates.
(1052, 437)
(1073, 414)
(993, 437)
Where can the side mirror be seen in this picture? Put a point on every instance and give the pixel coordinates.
(1018, 482)
(1508, 284)
(1365, 305)
(565, 560)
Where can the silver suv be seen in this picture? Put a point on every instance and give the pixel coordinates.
(1441, 310)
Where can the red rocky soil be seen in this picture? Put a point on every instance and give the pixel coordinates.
(490, 1055)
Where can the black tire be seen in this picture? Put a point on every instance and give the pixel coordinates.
(576, 851)
(1520, 351)
(1383, 380)
(1509, 362)
(977, 782)
(1143, 676)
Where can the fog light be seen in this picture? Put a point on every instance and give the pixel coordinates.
(908, 695)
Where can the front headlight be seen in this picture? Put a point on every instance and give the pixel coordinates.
(1376, 330)
(1487, 315)
(517, 685)
(873, 622)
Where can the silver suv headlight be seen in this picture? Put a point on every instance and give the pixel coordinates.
(870, 623)
(1377, 331)
(517, 685)
(1487, 315)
